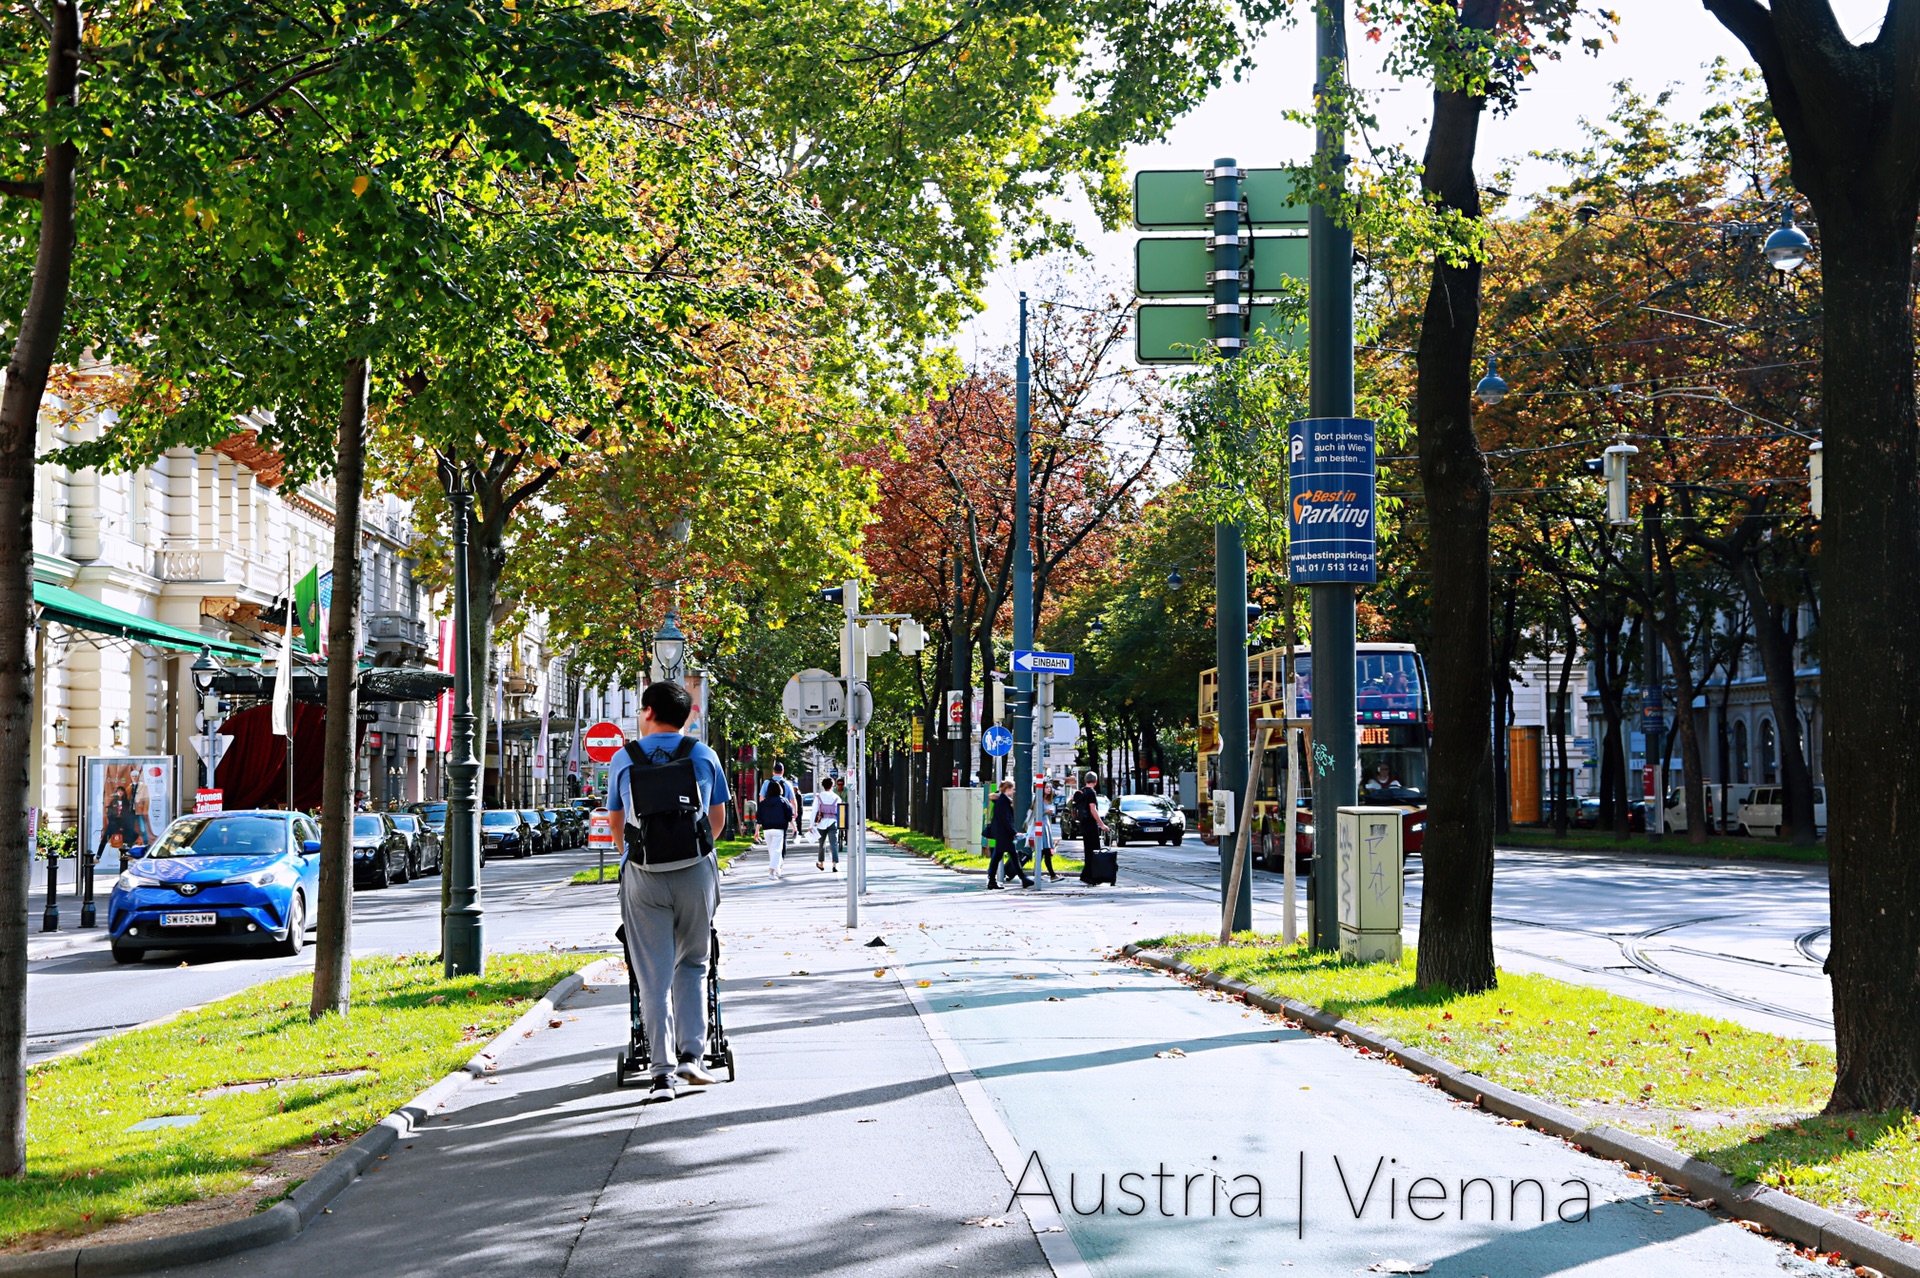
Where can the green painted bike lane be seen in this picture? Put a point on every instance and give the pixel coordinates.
(1157, 1129)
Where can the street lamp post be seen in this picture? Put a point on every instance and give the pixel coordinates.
(462, 931)
(669, 650)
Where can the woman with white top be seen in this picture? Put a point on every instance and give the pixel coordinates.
(826, 821)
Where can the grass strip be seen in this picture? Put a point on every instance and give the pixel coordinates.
(725, 850)
(1744, 1100)
(1724, 845)
(319, 1082)
(953, 858)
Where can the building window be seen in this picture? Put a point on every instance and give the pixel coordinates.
(1769, 753)
(1560, 714)
(1740, 767)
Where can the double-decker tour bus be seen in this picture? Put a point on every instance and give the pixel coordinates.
(1395, 721)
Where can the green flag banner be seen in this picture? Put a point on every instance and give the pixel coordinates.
(306, 601)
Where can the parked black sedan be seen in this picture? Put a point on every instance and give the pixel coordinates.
(573, 827)
(1148, 817)
(556, 831)
(542, 837)
(504, 832)
(423, 844)
(380, 851)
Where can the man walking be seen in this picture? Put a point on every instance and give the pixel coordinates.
(1096, 867)
(826, 823)
(667, 794)
(777, 804)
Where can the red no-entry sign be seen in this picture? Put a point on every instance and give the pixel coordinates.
(603, 741)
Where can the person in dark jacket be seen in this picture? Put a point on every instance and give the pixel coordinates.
(1001, 831)
(1097, 866)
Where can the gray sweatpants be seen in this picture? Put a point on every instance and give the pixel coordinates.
(669, 916)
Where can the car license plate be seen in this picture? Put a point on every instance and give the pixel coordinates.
(205, 918)
(1151, 825)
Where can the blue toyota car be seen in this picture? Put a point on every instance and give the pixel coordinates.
(220, 879)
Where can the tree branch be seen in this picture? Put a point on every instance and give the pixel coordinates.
(21, 190)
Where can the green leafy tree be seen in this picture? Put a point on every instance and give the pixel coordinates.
(306, 203)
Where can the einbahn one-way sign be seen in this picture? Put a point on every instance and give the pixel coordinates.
(1060, 663)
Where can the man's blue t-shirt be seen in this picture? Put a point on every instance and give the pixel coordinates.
(707, 772)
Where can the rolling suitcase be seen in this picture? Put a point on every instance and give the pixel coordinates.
(1101, 867)
(633, 1063)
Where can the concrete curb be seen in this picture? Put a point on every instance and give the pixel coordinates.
(285, 1219)
(1790, 1217)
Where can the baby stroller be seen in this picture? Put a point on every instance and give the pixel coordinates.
(633, 1063)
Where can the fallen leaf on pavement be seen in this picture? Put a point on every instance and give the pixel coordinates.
(924, 984)
(988, 1222)
(1170, 1054)
(1399, 1267)
(879, 971)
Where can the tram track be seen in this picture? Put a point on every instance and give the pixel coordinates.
(1641, 964)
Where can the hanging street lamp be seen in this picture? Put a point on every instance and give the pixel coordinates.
(1788, 246)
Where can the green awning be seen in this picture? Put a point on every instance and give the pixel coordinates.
(69, 608)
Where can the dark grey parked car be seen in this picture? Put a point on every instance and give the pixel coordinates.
(380, 851)
(541, 842)
(423, 844)
(574, 823)
(556, 831)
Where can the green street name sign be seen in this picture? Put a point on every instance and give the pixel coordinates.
(1176, 199)
(1181, 334)
(1182, 267)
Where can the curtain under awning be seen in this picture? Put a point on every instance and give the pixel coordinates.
(71, 608)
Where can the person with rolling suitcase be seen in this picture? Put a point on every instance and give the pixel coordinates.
(666, 795)
(1096, 866)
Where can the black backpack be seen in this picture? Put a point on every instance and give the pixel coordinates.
(666, 822)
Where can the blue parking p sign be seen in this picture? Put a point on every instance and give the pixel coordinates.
(1330, 524)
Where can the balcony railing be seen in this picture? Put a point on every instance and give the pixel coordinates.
(397, 629)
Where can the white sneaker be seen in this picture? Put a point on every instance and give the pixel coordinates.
(690, 1070)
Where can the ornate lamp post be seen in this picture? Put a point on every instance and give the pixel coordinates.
(463, 936)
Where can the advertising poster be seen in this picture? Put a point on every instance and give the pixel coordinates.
(1330, 524)
(126, 801)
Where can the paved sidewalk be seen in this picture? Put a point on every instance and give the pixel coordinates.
(876, 1117)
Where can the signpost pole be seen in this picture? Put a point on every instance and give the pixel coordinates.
(852, 792)
(1336, 780)
(1230, 558)
(1022, 572)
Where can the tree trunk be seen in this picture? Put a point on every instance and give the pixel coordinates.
(1680, 662)
(1774, 638)
(1456, 915)
(1562, 778)
(34, 348)
(333, 943)
(1848, 114)
(1871, 550)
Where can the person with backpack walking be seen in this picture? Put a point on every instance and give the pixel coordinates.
(666, 795)
(778, 801)
(826, 823)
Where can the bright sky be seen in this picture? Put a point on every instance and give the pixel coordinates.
(1661, 43)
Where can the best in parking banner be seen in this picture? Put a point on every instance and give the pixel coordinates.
(1330, 525)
